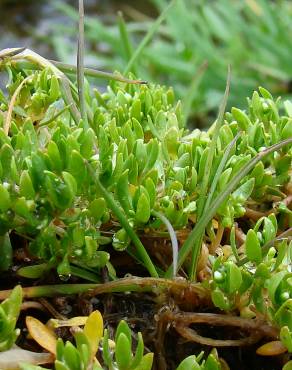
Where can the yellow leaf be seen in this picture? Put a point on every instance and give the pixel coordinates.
(273, 348)
(74, 321)
(93, 330)
(41, 334)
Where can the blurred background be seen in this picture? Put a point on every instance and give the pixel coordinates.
(190, 50)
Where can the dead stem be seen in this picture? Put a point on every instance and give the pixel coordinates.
(51, 309)
(286, 201)
(8, 119)
(159, 345)
(216, 242)
(32, 305)
(240, 235)
(256, 215)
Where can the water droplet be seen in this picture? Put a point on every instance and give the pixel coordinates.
(64, 277)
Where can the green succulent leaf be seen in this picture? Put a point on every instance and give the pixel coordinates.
(253, 247)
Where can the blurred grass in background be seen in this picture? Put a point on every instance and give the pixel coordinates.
(254, 36)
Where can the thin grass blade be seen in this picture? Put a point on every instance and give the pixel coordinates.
(210, 212)
(80, 63)
(148, 37)
(206, 179)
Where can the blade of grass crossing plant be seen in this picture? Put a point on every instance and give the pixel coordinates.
(80, 62)
(212, 149)
(193, 90)
(220, 170)
(210, 212)
(71, 70)
(154, 27)
(206, 178)
(68, 99)
(211, 153)
(173, 239)
(218, 173)
(125, 224)
(125, 38)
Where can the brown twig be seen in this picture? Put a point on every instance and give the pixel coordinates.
(216, 242)
(8, 119)
(256, 215)
(51, 309)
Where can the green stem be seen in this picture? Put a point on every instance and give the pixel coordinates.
(50, 290)
(132, 284)
(125, 224)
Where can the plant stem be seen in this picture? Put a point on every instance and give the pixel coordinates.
(132, 284)
(125, 224)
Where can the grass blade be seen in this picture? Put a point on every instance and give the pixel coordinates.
(152, 30)
(220, 170)
(206, 178)
(125, 38)
(210, 212)
(192, 90)
(173, 238)
(80, 63)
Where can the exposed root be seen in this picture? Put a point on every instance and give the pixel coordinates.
(257, 328)
(32, 305)
(192, 335)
